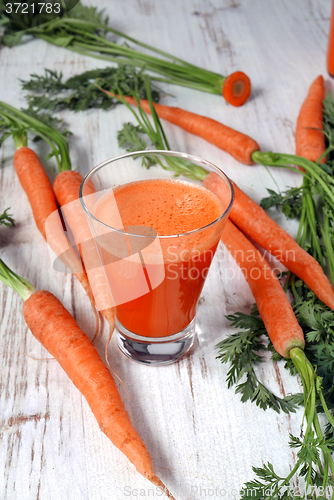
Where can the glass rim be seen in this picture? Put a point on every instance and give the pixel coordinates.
(162, 152)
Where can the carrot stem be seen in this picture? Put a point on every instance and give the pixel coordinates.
(21, 286)
(326, 410)
(301, 231)
(157, 134)
(19, 121)
(155, 117)
(286, 481)
(284, 160)
(176, 76)
(325, 230)
(312, 225)
(20, 140)
(312, 388)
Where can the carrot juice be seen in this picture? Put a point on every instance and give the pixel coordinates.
(165, 282)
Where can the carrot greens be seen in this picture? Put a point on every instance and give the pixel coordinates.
(78, 93)
(84, 30)
(317, 322)
(146, 132)
(313, 203)
(328, 121)
(242, 351)
(17, 123)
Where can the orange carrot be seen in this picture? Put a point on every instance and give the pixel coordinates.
(236, 88)
(58, 332)
(330, 46)
(238, 145)
(252, 220)
(55, 328)
(310, 140)
(235, 143)
(273, 305)
(42, 200)
(66, 188)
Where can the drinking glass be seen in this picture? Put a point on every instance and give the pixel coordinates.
(154, 281)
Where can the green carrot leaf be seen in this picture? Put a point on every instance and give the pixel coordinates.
(129, 137)
(242, 351)
(290, 202)
(79, 93)
(7, 219)
(134, 138)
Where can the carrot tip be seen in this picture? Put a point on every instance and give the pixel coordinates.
(155, 480)
(236, 88)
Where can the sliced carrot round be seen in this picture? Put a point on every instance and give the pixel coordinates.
(236, 88)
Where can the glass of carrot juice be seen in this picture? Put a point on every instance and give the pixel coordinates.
(155, 236)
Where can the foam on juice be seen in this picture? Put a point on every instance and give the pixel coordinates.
(168, 206)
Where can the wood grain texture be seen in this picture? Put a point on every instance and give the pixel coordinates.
(199, 434)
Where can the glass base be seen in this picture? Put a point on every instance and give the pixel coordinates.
(155, 351)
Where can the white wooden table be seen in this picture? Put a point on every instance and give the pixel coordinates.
(202, 439)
